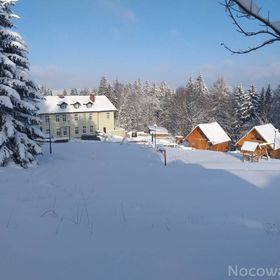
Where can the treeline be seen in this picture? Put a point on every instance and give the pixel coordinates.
(235, 109)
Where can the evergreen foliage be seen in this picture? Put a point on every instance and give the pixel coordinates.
(19, 96)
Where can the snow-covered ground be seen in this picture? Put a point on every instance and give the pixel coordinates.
(104, 211)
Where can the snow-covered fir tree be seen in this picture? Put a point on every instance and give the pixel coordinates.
(220, 101)
(74, 91)
(254, 114)
(276, 107)
(19, 96)
(104, 87)
(243, 108)
(46, 91)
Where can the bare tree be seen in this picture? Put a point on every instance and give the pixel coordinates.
(247, 9)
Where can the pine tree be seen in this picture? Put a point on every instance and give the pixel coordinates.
(104, 87)
(255, 104)
(220, 101)
(74, 91)
(46, 91)
(268, 105)
(276, 107)
(19, 96)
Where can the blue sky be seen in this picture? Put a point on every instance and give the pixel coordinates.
(72, 43)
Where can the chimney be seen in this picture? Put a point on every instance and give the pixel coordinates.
(92, 98)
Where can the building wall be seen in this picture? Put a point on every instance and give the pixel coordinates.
(80, 123)
(275, 153)
(222, 147)
(253, 136)
(197, 140)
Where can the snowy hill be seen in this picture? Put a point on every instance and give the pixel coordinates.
(110, 211)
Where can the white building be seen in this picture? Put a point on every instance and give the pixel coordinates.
(74, 116)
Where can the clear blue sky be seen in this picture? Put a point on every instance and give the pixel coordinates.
(72, 43)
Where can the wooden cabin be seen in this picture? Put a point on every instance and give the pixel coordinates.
(267, 136)
(252, 151)
(159, 132)
(208, 136)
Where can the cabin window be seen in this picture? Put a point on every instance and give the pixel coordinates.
(58, 132)
(76, 117)
(91, 129)
(90, 116)
(57, 118)
(108, 115)
(76, 130)
(64, 118)
(84, 129)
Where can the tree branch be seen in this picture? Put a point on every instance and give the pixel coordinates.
(251, 12)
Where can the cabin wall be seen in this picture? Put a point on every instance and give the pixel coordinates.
(197, 140)
(275, 153)
(222, 147)
(253, 136)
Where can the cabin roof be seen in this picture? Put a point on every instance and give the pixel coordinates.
(157, 130)
(49, 104)
(249, 146)
(213, 132)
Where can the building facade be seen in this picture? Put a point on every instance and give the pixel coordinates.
(76, 116)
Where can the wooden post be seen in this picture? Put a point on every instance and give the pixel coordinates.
(163, 151)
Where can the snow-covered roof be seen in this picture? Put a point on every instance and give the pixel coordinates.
(249, 146)
(157, 130)
(270, 134)
(214, 133)
(51, 104)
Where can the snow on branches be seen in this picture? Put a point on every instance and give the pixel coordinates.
(19, 96)
(248, 9)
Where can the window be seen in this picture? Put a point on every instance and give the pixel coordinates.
(57, 118)
(47, 119)
(90, 116)
(108, 115)
(64, 118)
(65, 130)
(63, 106)
(91, 129)
(76, 130)
(47, 131)
(58, 132)
(76, 117)
(84, 129)
(77, 105)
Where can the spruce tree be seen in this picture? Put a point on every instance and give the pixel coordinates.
(220, 104)
(19, 96)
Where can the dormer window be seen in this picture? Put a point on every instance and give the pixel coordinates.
(89, 104)
(76, 105)
(63, 105)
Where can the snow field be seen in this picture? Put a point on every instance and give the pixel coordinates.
(111, 211)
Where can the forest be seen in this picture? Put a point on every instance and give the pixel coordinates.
(236, 109)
